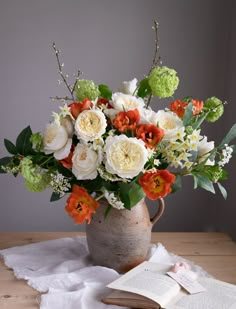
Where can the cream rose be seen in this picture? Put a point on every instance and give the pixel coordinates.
(204, 147)
(56, 141)
(129, 87)
(121, 102)
(169, 122)
(84, 162)
(125, 156)
(90, 125)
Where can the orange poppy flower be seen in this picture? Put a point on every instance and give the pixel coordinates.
(80, 205)
(67, 162)
(150, 134)
(179, 107)
(77, 107)
(157, 184)
(127, 120)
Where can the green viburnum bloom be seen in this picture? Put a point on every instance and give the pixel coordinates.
(40, 185)
(36, 179)
(86, 89)
(163, 82)
(37, 141)
(217, 109)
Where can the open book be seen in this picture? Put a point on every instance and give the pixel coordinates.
(148, 287)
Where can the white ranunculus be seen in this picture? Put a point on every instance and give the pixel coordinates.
(55, 140)
(129, 87)
(121, 102)
(204, 147)
(90, 125)
(169, 122)
(125, 156)
(84, 162)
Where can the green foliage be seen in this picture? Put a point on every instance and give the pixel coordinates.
(144, 88)
(23, 143)
(177, 185)
(105, 91)
(203, 182)
(10, 147)
(55, 197)
(131, 193)
(229, 137)
(222, 190)
(4, 161)
(188, 114)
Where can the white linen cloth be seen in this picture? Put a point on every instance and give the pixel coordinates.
(63, 270)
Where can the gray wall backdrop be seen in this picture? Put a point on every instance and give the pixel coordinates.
(111, 41)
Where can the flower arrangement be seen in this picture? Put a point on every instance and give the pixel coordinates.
(113, 145)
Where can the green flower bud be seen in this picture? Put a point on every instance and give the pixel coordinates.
(37, 141)
(30, 171)
(216, 108)
(86, 89)
(163, 82)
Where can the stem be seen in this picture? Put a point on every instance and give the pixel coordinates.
(60, 71)
(61, 98)
(156, 59)
(99, 197)
(76, 79)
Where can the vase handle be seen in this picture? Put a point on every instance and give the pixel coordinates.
(161, 208)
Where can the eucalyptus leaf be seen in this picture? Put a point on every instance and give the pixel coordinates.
(200, 120)
(23, 144)
(229, 137)
(11, 148)
(177, 185)
(203, 182)
(222, 190)
(188, 114)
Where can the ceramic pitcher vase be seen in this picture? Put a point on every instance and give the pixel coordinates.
(122, 239)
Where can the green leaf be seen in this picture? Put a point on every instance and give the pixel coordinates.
(188, 114)
(131, 193)
(177, 184)
(23, 144)
(11, 148)
(55, 197)
(105, 91)
(144, 88)
(222, 190)
(229, 137)
(4, 161)
(199, 121)
(203, 182)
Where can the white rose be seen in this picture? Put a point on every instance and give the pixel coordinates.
(121, 102)
(129, 87)
(204, 147)
(125, 156)
(169, 122)
(56, 140)
(84, 162)
(90, 125)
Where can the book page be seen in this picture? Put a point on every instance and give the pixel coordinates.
(218, 295)
(149, 279)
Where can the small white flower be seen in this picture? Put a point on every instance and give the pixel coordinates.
(226, 155)
(65, 111)
(90, 125)
(125, 156)
(59, 183)
(121, 102)
(170, 123)
(56, 118)
(114, 200)
(85, 161)
(157, 162)
(129, 87)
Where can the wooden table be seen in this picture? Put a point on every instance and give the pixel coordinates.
(215, 252)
